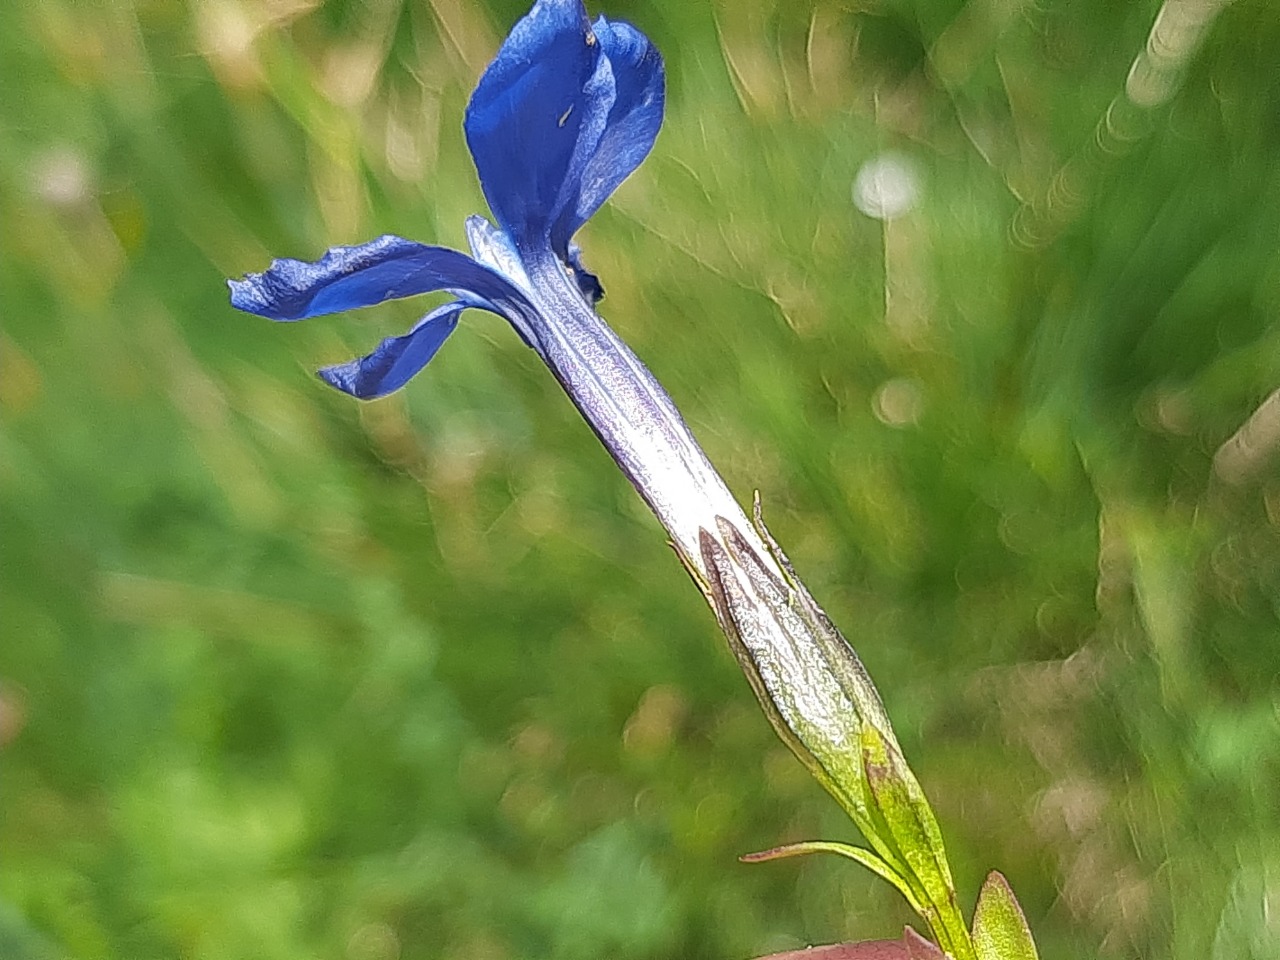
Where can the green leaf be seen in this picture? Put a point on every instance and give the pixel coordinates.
(1000, 930)
(860, 855)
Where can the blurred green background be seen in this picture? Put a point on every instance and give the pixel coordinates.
(285, 676)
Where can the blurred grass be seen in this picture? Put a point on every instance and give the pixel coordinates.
(284, 676)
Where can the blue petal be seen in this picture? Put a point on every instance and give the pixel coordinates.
(397, 359)
(536, 117)
(632, 126)
(349, 277)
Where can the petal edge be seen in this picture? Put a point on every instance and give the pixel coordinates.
(346, 278)
(396, 360)
(635, 117)
(536, 115)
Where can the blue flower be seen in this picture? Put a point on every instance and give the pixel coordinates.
(563, 114)
(566, 111)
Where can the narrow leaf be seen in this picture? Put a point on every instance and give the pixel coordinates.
(860, 855)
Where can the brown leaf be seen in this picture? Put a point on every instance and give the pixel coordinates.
(912, 946)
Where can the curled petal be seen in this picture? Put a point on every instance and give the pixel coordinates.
(635, 117)
(387, 269)
(345, 278)
(537, 115)
(396, 359)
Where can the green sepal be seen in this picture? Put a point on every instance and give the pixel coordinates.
(1000, 930)
(896, 796)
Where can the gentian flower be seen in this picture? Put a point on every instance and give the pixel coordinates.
(566, 111)
(562, 116)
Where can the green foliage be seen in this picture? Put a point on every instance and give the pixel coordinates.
(284, 677)
(1000, 929)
